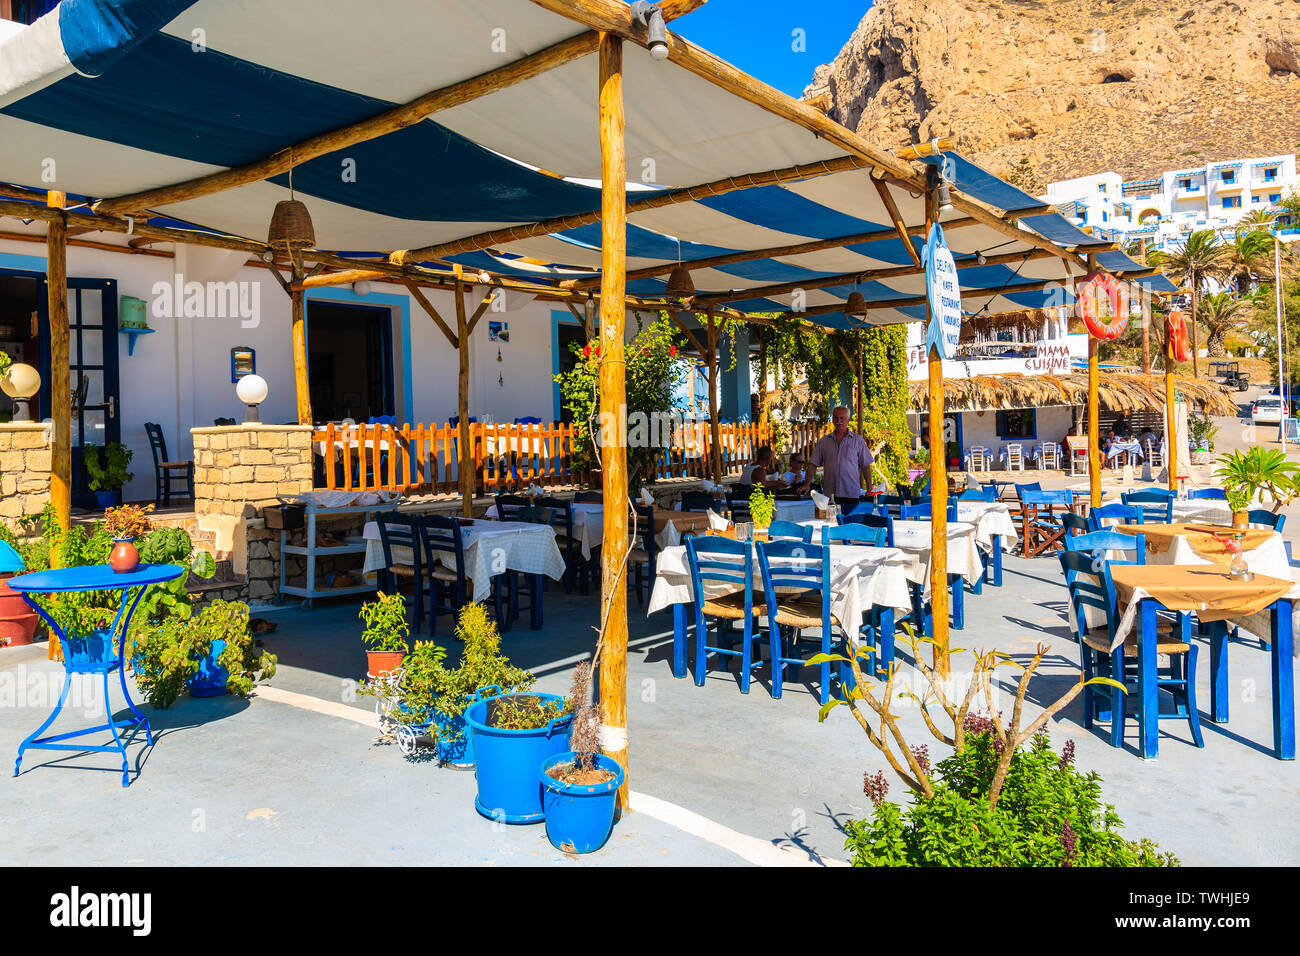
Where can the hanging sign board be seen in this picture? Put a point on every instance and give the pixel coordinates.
(944, 294)
(1102, 304)
(1179, 349)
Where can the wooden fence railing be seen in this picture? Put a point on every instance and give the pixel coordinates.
(423, 459)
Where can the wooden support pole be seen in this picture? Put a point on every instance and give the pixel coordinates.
(1171, 430)
(861, 420)
(56, 273)
(715, 426)
(613, 369)
(302, 380)
(762, 379)
(1094, 410)
(900, 226)
(938, 475)
(465, 467)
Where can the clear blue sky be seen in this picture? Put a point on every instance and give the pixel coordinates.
(759, 35)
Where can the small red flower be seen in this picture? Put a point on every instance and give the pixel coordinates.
(672, 351)
(586, 351)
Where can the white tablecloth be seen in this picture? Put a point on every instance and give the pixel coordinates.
(913, 537)
(989, 518)
(861, 577)
(1119, 447)
(491, 548)
(589, 528)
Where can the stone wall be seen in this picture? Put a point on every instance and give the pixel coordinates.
(25, 449)
(239, 470)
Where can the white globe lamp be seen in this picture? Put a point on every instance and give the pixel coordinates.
(251, 390)
(20, 383)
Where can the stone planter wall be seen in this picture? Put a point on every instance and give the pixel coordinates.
(25, 449)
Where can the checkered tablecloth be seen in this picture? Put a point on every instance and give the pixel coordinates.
(861, 577)
(491, 548)
(913, 537)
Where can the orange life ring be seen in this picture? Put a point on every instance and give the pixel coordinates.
(1179, 349)
(1102, 303)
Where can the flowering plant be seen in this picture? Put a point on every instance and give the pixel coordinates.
(128, 521)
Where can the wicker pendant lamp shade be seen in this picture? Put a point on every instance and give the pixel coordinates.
(291, 229)
(856, 306)
(680, 285)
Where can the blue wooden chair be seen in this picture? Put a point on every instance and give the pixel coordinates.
(923, 512)
(866, 507)
(440, 541)
(1098, 543)
(646, 556)
(589, 498)
(1023, 486)
(855, 533)
(788, 531)
(872, 521)
(1091, 586)
(893, 503)
(806, 568)
(1217, 494)
(576, 568)
(1040, 525)
(400, 531)
(1123, 514)
(703, 501)
(1157, 504)
(979, 494)
(509, 506)
(1262, 516)
(1074, 524)
(717, 560)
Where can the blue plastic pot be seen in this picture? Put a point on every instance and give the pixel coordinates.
(211, 679)
(108, 499)
(506, 762)
(455, 739)
(579, 818)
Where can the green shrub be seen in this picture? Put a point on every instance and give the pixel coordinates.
(1048, 814)
(386, 626)
(106, 468)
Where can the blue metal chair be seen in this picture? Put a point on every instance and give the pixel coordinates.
(402, 531)
(789, 531)
(872, 521)
(1157, 504)
(1124, 514)
(807, 568)
(1265, 517)
(1217, 494)
(1091, 586)
(855, 533)
(717, 560)
(923, 512)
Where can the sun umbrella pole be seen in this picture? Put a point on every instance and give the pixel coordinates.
(300, 377)
(938, 476)
(613, 452)
(465, 467)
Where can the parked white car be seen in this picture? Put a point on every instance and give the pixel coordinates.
(1266, 410)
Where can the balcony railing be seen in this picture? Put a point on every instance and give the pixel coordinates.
(424, 459)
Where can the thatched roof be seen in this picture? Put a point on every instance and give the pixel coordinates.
(1117, 392)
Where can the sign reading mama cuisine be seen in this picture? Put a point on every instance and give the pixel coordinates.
(1047, 358)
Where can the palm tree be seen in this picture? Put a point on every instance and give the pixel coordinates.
(1249, 255)
(1202, 256)
(1220, 316)
(1256, 219)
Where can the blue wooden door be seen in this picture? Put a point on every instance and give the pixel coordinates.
(92, 371)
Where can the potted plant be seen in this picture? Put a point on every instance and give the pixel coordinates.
(17, 619)
(210, 653)
(580, 785)
(762, 508)
(106, 470)
(1247, 474)
(124, 524)
(385, 634)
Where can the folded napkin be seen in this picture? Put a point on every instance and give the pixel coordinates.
(646, 498)
(717, 522)
(820, 501)
(669, 536)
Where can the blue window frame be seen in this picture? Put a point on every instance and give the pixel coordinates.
(1228, 175)
(1231, 202)
(1274, 197)
(1018, 423)
(1270, 174)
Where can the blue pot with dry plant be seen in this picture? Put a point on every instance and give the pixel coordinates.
(579, 806)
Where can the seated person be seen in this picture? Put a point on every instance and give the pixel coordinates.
(764, 470)
(798, 467)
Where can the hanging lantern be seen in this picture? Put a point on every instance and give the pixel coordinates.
(1179, 348)
(291, 229)
(1102, 304)
(856, 306)
(680, 286)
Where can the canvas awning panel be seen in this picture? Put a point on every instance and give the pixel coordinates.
(129, 95)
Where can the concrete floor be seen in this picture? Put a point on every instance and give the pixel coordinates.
(265, 781)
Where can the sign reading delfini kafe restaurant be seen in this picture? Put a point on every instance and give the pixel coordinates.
(943, 293)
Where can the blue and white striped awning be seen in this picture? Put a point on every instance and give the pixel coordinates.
(124, 96)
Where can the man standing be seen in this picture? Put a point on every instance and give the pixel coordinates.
(844, 459)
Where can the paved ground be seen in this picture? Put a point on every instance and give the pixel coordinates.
(281, 779)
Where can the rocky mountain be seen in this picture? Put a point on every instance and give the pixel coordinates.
(1043, 90)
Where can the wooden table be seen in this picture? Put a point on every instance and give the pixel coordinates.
(1216, 599)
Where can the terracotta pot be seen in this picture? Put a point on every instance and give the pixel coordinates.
(124, 558)
(17, 619)
(380, 662)
(1240, 521)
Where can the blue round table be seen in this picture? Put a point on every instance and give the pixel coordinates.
(99, 652)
